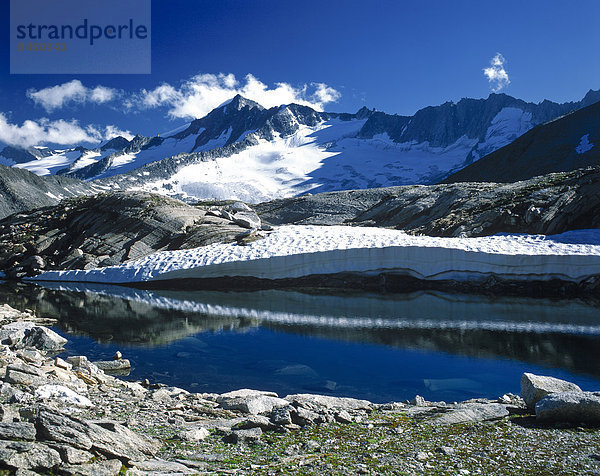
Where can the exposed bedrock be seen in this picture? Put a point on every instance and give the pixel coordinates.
(108, 229)
(548, 204)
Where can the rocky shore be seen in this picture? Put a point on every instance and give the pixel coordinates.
(64, 415)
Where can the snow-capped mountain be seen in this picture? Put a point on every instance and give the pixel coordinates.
(241, 150)
(564, 144)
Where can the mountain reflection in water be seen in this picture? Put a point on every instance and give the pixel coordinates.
(381, 347)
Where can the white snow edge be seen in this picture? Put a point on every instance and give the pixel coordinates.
(294, 251)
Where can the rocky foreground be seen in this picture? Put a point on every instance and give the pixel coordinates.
(67, 416)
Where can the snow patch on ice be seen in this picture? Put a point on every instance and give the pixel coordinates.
(509, 124)
(584, 145)
(62, 393)
(322, 158)
(293, 251)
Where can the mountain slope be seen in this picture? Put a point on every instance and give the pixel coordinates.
(22, 190)
(548, 204)
(243, 151)
(567, 143)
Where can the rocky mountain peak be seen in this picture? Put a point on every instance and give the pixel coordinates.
(591, 97)
(364, 112)
(239, 102)
(116, 143)
(20, 155)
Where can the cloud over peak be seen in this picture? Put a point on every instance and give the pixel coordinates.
(496, 74)
(202, 93)
(60, 132)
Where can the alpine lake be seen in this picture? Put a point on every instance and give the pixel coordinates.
(380, 347)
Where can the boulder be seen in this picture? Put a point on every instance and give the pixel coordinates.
(59, 428)
(281, 416)
(247, 220)
(253, 405)
(116, 441)
(18, 430)
(255, 421)
(113, 365)
(111, 467)
(323, 402)
(43, 339)
(251, 435)
(28, 455)
(23, 374)
(106, 437)
(159, 466)
(13, 332)
(72, 455)
(249, 401)
(570, 407)
(535, 387)
(472, 412)
(194, 434)
(302, 416)
(239, 207)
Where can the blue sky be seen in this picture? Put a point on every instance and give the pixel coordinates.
(396, 56)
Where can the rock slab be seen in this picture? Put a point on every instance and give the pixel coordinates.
(535, 387)
(569, 407)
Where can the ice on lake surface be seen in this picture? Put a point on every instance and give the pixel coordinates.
(379, 347)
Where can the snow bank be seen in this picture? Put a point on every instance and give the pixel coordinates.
(60, 392)
(295, 251)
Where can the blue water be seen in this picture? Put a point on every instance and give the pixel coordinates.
(378, 347)
(288, 363)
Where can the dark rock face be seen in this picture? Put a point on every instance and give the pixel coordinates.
(21, 190)
(548, 204)
(443, 125)
(116, 143)
(20, 156)
(562, 145)
(103, 230)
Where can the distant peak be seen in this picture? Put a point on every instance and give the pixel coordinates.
(239, 102)
(591, 97)
(116, 143)
(364, 112)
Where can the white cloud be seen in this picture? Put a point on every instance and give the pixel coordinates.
(496, 74)
(202, 93)
(111, 132)
(101, 94)
(55, 97)
(60, 132)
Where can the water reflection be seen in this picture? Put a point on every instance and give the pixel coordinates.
(376, 346)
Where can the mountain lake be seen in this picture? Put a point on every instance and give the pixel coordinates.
(380, 347)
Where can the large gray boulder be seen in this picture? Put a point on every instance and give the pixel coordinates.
(28, 455)
(109, 438)
(43, 339)
(572, 407)
(472, 412)
(247, 219)
(320, 403)
(14, 332)
(535, 387)
(253, 402)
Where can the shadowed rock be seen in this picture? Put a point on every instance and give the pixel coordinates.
(571, 407)
(548, 204)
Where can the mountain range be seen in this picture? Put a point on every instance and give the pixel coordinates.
(243, 151)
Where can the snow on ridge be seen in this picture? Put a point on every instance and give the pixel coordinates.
(509, 124)
(294, 251)
(584, 145)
